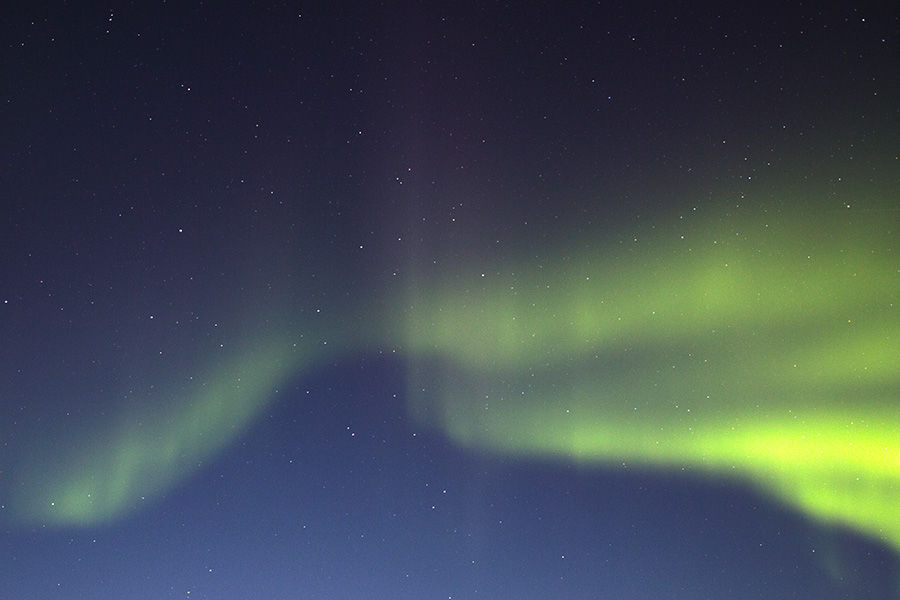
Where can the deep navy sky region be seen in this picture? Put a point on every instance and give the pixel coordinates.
(490, 300)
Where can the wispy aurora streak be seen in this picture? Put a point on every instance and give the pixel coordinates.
(761, 347)
(113, 472)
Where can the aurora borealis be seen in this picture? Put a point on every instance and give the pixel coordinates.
(531, 301)
(737, 350)
(733, 348)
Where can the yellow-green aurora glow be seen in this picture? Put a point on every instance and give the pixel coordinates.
(752, 345)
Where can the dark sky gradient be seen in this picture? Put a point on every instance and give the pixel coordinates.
(182, 184)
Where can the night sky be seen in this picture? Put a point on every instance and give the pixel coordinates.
(502, 301)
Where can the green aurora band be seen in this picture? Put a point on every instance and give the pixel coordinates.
(759, 347)
(107, 475)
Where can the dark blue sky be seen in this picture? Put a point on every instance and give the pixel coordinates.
(185, 183)
(334, 493)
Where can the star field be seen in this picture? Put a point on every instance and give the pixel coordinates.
(526, 301)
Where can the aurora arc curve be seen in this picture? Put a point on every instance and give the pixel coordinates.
(740, 346)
